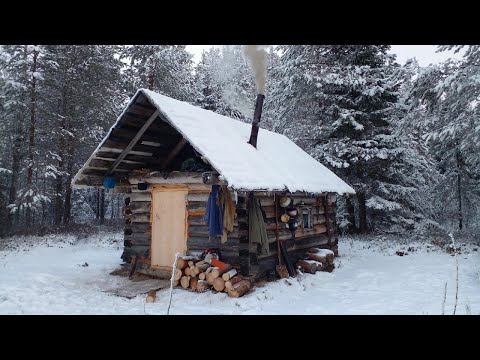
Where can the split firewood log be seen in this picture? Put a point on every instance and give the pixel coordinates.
(319, 258)
(187, 271)
(202, 267)
(217, 272)
(193, 283)
(210, 276)
(178, 274)
(202, 286)
(218, 284)
(229, 274)
(151, 296)
(234, 280)
(308, 266)
(240, 288)
(185, 281)
(202, 276)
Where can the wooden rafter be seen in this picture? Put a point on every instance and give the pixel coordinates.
(133, 142)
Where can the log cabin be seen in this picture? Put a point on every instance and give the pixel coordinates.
(168, 156)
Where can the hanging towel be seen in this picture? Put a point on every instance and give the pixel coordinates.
(213, 213)
(228, 211)
(257, 232)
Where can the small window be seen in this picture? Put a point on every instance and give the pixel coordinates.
(307, 222)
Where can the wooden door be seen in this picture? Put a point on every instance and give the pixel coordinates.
(168, 226)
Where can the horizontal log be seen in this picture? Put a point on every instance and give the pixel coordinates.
(202, 243)
(138, 237)
(307, 266)
(140, 207)
(198, 197)
(175, 177)
(229, 274)
(105, 164)
(140, 251)
(197, 207)
(159, 273)
(232, 281)
(202, 286)
(140, 196)
(240, 288)
(185, 281)
(121, 145)
(298, 244)
(139, 228)
(219, 284)
(140, 218)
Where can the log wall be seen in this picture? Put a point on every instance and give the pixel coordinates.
(320, 234)
(236, 250)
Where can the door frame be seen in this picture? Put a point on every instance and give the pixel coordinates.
(164, 188)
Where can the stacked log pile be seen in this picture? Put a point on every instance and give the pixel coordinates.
(199, 276)
(317, 260)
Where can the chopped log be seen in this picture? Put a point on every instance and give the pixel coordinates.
(219, 284)
(185, 281)
(229, 274)
(187, 271)
(217, 272)
(321, 259)
(240, 288)
(210, 277)
(234, 280)
(202, 286)
(178, 274)
(152, 295)
(193, 283)
(175, 283)
(202, 267)
(307, 266)
(191, 263)
(181, 263)
(194, 271)
(202, 276)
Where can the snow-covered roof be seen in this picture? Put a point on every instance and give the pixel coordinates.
(277, 164)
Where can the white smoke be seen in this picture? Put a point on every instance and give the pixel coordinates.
(257, 58)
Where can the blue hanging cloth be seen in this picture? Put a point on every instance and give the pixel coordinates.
(213, 213)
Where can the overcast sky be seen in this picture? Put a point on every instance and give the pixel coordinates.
(425, 54)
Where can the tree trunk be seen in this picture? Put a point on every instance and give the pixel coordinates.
(31, 137)
(362, 212)
(61, 163)
(97, 202)
(68, 190)
(16, 158)
(350, 214)
(102, 206)
(459, 190)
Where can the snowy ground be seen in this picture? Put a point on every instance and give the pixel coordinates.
(48, 278)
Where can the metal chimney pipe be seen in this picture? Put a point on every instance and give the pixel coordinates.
(256, 119)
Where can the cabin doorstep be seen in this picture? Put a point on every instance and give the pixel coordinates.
(168, 157)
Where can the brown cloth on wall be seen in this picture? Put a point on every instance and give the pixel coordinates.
(228, 212)
(257, 233)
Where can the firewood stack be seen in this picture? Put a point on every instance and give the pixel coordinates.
(317, 260)
(200, 275)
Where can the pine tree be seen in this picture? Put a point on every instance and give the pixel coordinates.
(166, 69)
(224, 83)
(339, 103)
(448, 93)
